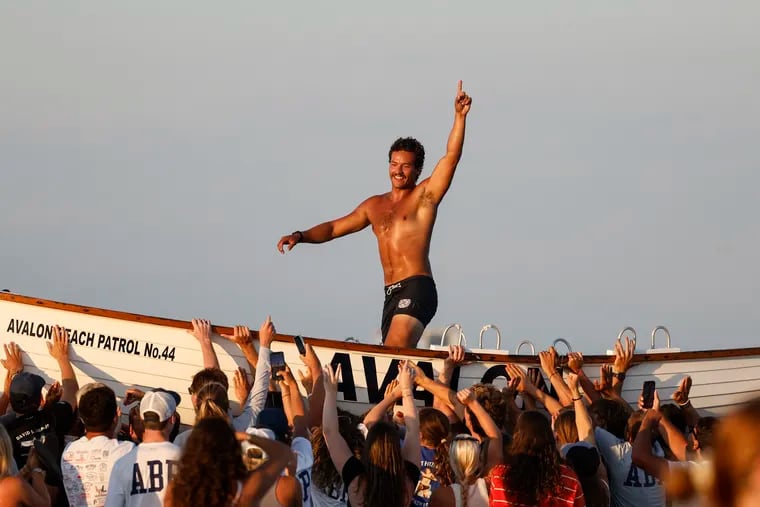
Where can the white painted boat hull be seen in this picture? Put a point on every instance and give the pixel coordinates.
(124, 350)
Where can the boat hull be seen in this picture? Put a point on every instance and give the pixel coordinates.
(125, 350)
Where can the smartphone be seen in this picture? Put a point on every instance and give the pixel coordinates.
(300, 345)
(277, 361)
(647, 393)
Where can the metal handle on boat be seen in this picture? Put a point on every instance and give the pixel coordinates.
(628, 328)
(564, 342)
(461, 334)
(498, 335)
(526, 342)
(665, 330)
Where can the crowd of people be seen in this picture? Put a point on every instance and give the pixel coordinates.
(574, 444)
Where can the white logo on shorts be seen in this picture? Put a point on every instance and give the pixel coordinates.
(404, 303)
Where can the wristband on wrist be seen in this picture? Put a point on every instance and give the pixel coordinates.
(300, 235)
(579, 398)
(687, 402)
(618, 375)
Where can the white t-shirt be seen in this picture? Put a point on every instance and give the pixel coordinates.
(86, 468)
(305, 456)
(334, 498)
(630, 486)
(140, 478)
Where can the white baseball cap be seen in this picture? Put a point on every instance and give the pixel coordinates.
(160, 403)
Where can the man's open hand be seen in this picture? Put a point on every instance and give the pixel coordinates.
(13, 361)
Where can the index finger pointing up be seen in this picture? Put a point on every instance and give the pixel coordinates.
(459, 86)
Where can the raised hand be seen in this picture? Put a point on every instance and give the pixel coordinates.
(462, 102)
(307, 381)
(466, 397)
(575, 362)
(240, 335)
(572, 383)
(310, 360)
(655, 404)
(549, 360)
(330, 378)
(623, 357)
(291, 240)
(604, 384)
(455, 357)
(516, 372)
(267, 332)
(59, 348)
(393, 390)
(512, 387)
(417, 374)
(54, 394)
(406, 375)
(133, 394)
(13, 361)
(285, 380)
(201, 331)
(681, 395)
(242, 385)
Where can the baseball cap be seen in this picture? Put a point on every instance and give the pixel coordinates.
(25, 391)
(262, 433)
(174, 394)
(160, 403)
(27, 383)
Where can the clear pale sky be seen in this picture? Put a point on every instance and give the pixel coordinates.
(153, 153)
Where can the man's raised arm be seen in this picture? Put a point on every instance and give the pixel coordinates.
(440, 180)
(353, 222)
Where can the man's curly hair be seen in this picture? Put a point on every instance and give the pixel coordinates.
(412, 145)
(493, 402)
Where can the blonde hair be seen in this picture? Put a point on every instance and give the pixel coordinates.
(211, 401)
(466, 462)
(6, 453)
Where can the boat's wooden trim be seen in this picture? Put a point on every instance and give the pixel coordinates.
(373, 349)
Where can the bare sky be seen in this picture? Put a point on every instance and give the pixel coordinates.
(153, 153)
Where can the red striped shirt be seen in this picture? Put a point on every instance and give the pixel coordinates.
(570, 492)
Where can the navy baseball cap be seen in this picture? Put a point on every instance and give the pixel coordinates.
(26, 390)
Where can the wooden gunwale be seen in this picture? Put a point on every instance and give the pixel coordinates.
(373, 349)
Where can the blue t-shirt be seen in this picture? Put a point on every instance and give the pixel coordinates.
(428, 481)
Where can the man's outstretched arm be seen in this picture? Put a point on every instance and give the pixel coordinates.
(440, 180)
(353, 222)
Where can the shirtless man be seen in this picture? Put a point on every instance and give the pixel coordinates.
(402, 221)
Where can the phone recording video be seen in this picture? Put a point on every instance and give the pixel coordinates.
(277, 361)
(647, 394)
(298, 339)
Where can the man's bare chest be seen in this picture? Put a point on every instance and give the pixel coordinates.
(406, 215)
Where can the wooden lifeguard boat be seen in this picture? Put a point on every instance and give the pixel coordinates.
(123, 350)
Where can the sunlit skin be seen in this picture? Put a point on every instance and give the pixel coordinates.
(402, 219)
